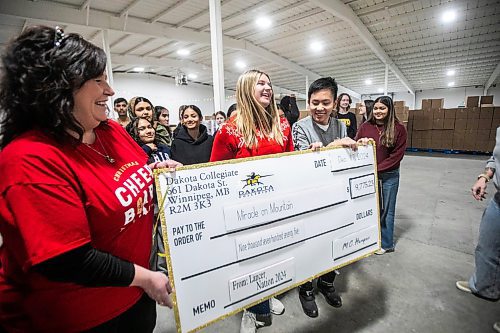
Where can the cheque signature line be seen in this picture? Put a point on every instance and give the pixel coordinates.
(280, 219)
(354, 167)
(263, 253)
(260, 292)
(348, 254)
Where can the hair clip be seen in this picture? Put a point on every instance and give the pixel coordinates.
(59, 35)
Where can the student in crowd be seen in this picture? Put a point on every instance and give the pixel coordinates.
(485, 281)
(120, 106)
(76, 240)
(230, 110)
(220, 117)
(163, 116)
(343, 114)
(369, 108)
(290, 108)
(390, 137)
(314, 131)
(141, 107)
(192, 144)
(255, 130)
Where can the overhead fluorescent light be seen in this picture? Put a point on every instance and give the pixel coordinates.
(380, 90)
(263, 22)
(192, 76)
(368, 82)
(316, 46)
(240, 64)
(138, 69)
(451, 84)
(183, 52)
(449, 16)
(450, 72)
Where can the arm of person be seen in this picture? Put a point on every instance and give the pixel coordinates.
(90, 267)
(222, 148)
(479, 187)
(346, 142)
(168, 164)
(354, 123)
(397, 153)
(301, 141)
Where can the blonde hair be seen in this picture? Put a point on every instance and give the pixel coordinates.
(253, 117)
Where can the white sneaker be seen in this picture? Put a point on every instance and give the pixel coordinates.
(380, 252)
(277, 307)
(496, 326)
(464, 286)
(249, 322)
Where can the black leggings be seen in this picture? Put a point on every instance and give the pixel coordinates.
(141, 317)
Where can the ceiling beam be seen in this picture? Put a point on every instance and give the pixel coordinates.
(492, 78)
(129, 7)
(339, 9)
(138, 46)
(85, 4)
(52, 13)
(166, 11)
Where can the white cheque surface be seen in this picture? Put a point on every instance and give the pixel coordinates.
(244, 230)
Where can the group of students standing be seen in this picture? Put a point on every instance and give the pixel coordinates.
(77, 209)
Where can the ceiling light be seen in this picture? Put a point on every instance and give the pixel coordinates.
(192, 76)
(451, 84)
(263, 22)
(450, 72)
(138, 69)
(449, 16)
(380, 90)
(240, 64)
(316, 46)
(183, 52)
(368, 82)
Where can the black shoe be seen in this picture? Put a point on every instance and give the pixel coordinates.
(308, 302)
(331, 296)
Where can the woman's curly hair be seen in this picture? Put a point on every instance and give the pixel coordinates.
(39, 79)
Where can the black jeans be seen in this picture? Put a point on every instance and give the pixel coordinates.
(141, 317)
(328, 278)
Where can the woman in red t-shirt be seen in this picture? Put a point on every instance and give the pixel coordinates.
(256, 129)
(390, 137)
(76, 196)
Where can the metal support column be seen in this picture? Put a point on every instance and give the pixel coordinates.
(109, 70)
(217, 54)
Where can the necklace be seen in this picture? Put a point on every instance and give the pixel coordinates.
(379, 130)
(105, 155)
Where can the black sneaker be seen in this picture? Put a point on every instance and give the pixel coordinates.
(331, 296)
(308, 302)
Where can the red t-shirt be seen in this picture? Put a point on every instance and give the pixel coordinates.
(56, 197)
(387, 158)
(228, 143)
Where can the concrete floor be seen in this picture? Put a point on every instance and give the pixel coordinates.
(412, 289)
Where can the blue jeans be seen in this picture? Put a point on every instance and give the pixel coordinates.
(390, 186)
(261, 308)
(485, 282)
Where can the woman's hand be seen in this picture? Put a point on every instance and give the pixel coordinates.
(479, 189)
(170, 164)
(346, 142)
(155, 284)
(315, 146)
(363, 141)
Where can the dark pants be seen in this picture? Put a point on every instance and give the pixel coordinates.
(141, 317)
(327, 278)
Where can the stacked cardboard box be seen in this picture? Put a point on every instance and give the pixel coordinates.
(468, 129)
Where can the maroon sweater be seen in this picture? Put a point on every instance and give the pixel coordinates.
(387, 158)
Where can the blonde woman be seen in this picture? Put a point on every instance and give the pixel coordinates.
(255, 130)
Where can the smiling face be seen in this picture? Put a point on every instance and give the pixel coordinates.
(190, 119)
(164, 117)
(145, 131)
(344, 102)
(321, 105)
(144, 110)
(362, 108)
(90, 102)
(380, 112)
(263, 91)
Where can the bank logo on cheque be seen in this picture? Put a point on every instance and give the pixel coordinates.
(255, 186)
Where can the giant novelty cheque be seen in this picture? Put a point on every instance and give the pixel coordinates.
(239, 231)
